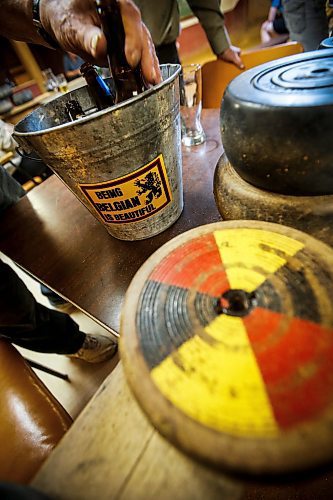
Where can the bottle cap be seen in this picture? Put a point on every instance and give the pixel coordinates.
(86, 67)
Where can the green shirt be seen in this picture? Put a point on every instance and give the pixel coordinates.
(162, 19)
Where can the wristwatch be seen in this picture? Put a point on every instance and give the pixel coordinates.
(40, 30)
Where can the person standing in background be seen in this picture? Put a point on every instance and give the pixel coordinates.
(163, 21)
(329, 14)
(306, 21)
(72, 64)
(274, 30)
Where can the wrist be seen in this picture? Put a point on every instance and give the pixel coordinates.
(39, 21)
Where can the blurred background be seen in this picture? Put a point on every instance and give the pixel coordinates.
(23, 66)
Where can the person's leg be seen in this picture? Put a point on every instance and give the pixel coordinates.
(306, 21)
(30, 168)
(10, 190)
(279, 26)
(168, 54)
(26, 323)
(11, 491)
(317, 24)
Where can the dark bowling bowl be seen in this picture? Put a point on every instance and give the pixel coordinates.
(277, 124)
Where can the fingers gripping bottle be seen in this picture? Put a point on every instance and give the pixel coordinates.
(128, 81)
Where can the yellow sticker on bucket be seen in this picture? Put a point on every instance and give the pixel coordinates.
(134, 196)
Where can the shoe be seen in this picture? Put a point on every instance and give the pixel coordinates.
(96, 348)
(65, 307)
(56, 301)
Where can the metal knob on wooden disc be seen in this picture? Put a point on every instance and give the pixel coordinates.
(227, 344)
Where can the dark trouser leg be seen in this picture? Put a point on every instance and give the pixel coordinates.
(168, 54)
(26, 323)
(306, 21)
(28, 168)
(317, 24)
(11, 491)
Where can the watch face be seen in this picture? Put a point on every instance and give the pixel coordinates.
(35, 12)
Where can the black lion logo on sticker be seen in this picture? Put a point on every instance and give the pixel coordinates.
(151, 184)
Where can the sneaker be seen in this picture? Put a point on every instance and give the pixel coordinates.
(66, 308)
(54, 299)
(96, 349)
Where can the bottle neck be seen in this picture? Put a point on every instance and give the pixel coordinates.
(128, 81)
(113, 28)
(98, 89)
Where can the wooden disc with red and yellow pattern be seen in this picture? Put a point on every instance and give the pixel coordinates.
(227, 343)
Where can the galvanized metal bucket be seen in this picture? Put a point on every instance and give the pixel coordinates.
(123, 163)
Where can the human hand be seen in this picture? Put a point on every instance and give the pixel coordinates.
(232, 55)
(266, 32)
(76, 27)
(268, 26)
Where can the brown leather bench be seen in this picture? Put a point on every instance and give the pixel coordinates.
(32, 421)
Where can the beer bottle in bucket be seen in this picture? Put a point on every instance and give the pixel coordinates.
(128, 81)
(98, 89)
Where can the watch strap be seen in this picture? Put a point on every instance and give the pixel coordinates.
(39, 27)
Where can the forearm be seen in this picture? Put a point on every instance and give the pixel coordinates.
(211, 18)
(16, 21)
(75, 26)
(72, 73)
(272, 14)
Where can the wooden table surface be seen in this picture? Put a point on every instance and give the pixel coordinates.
(112, 452)
(52, 236)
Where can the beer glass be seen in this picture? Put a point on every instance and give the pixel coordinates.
(62, 83)
(191, 105)
(50, 80)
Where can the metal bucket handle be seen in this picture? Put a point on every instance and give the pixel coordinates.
(23, 154)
